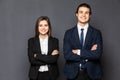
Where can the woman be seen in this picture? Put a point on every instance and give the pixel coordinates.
(43, 52)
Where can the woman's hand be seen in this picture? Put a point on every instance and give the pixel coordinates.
(55, 52)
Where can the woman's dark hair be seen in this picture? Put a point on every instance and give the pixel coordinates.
(37, 25)
(84, 5)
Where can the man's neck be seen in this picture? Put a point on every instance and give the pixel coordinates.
(82, 24)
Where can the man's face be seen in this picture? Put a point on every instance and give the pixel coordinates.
(83, 15)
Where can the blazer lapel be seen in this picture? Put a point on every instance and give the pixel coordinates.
(37, 43)
(76, 37)
(49, 45)
(88, 35)
(38, 48)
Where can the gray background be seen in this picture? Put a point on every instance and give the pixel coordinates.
(17, 20)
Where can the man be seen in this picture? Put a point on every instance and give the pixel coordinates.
(83, 48)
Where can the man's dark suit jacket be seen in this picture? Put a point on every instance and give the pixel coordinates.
(72, 41)
(51, 61)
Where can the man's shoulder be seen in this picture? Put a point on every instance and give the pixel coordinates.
(71, 29)
(94, 29)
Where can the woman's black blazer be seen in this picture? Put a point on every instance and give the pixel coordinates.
(50, 60)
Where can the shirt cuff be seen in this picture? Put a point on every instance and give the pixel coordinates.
(78, 53)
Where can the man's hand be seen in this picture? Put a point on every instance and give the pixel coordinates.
(75, 51)
(94, 47)
(55, 52)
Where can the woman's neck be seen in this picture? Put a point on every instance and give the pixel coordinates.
(43, 36)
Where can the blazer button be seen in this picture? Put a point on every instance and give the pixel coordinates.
(86, 60)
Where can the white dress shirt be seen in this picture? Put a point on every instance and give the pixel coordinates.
(79, 32)
(44, 50)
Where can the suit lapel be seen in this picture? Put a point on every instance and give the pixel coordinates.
(88, 35)
(37, 43)
(49, 45)
(38, 48)
(76, 37)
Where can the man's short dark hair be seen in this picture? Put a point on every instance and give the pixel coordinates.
(84, 5)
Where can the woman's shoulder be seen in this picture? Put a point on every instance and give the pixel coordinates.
(53, 38)
(32, 38)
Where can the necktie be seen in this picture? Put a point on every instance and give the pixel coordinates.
(82, 37)
(82, 65)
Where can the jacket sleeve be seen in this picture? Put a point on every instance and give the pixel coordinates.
(67, 49)
(32, 60)
(49, 59)
(95, 54)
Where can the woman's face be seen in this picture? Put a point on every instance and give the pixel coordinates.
(43, 27)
